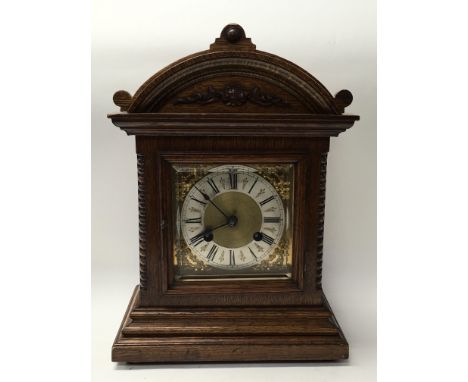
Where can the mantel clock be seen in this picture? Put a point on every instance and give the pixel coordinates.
(231, 148)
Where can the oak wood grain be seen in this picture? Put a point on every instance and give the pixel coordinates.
(208, 335)
(230, 104)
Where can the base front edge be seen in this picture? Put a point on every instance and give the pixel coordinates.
(304, 336)
(184, 353)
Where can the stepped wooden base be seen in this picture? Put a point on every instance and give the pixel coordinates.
(228, 334)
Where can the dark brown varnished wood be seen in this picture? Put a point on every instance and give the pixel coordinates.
(228, 334)
(230, 104)
(142, 195)
(160, 152)
(234, 125)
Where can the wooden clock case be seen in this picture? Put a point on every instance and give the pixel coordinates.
(230, 104)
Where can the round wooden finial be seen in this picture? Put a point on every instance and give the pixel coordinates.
(232, 38)
(343, 99)
(123, 99)
(233, 33)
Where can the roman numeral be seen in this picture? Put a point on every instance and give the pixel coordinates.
(267, 200)
(211, 255)
(271, 219)
(233, 179)
(253, 185)
(232, 257)
(193, 220)
(197, 239)
(252, 252)
(213, 185)
(199, 201)
(267, 239)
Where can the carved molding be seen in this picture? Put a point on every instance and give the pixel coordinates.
(233, 124)
(232, 95)
(168, 82)
(234, 54)
(142, 219)
(321, 218)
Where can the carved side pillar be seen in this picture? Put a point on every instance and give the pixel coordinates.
(142, 219)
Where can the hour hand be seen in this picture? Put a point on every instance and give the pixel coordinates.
(208, 233)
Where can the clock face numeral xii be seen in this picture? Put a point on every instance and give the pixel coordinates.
(233, 179)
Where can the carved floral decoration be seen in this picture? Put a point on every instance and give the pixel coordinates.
(232, 95)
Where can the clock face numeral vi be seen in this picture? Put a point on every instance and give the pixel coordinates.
(225, 215)
(232, 257)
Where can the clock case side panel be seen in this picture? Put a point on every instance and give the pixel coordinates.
(158, 152)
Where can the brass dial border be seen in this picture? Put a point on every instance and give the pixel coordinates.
(187, 175)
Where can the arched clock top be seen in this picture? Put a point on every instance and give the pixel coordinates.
(233, 77)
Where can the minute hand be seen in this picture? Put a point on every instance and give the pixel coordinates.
(207, 198)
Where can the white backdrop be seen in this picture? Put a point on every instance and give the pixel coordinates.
(332, 39)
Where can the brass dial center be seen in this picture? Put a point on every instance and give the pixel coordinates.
(244, 219)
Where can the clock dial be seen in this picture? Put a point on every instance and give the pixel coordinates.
(232, 218)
